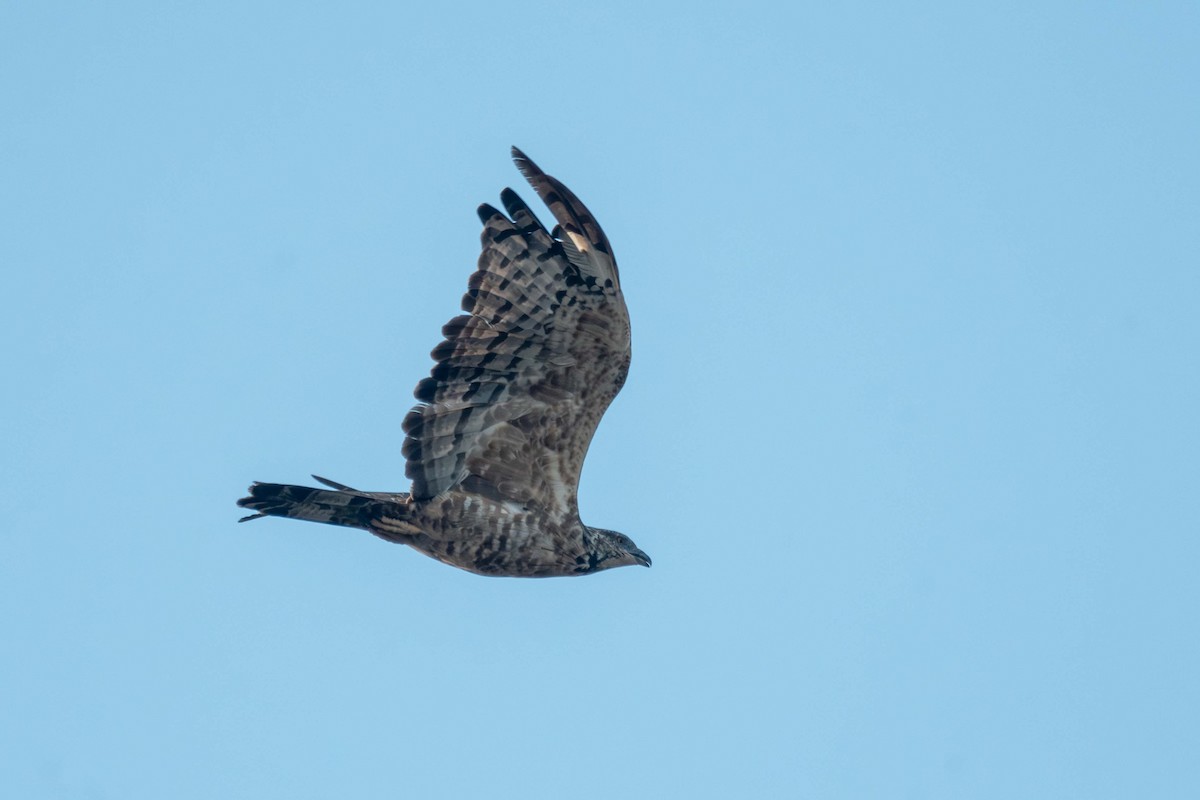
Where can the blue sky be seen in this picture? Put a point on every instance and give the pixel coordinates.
(911, 430)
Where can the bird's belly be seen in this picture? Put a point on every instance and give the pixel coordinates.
(499, 539)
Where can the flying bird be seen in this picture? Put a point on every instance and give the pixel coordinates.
(496, 443)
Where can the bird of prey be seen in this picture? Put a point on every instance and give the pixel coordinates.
(495, 446)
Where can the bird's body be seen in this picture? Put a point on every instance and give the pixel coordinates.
(496, 445)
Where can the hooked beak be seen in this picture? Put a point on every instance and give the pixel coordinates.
(641, 557)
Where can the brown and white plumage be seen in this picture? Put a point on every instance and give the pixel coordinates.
(495, 447)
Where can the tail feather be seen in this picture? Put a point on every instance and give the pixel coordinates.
(341, 506)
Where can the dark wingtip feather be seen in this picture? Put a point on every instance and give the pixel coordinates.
(486, 212)
(426, 391)
(519, 211)
(512, 201)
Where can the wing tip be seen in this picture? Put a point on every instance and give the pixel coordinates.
(525, 164)
(486, 211)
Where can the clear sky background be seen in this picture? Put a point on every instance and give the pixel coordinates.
(911, 430)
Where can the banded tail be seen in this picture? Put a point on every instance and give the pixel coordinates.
(339, 505)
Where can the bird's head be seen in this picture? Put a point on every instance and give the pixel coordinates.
(612, 549)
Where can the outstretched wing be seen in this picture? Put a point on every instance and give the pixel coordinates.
(522, 379)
